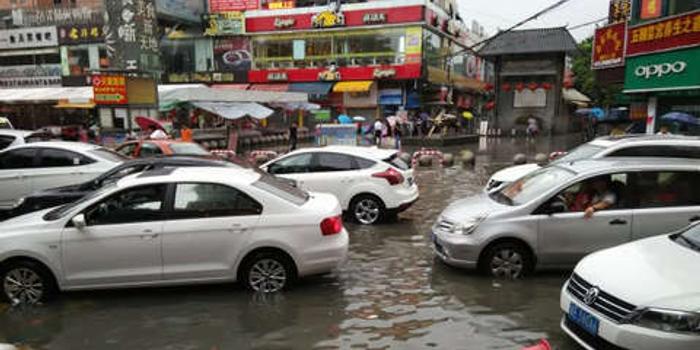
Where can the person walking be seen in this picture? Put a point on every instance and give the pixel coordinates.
(378, 132)
(293, 137)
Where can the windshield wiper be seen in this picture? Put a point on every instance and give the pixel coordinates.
(690, 242)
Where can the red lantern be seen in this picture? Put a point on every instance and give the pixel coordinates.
(533, 86)
(547, 86)
(520, 87)
(490, 105)
(488, 87)
(506, 87)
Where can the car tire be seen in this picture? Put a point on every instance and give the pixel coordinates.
(268, 272)
(367, 209)
(26, 282)
(510, 260)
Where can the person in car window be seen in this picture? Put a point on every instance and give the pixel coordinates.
(603, 197)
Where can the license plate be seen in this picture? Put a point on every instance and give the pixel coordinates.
(584, 319)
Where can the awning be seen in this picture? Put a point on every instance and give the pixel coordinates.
(233, 111)
(74, 105)
(231, 86)
(270, 87)
(391, 97)
(573, 95)
(353, 86)
(71, 94)
(311, 88)
(293, 106)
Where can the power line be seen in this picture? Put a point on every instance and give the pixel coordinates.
(587, 23)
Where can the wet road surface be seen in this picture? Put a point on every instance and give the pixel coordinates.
(390, 294)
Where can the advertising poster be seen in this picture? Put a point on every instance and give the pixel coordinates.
(233, 55)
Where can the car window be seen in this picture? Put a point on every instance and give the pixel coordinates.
(202, 200)
(612, 188)
(658, 151)
(133, 205)
(363, 163)
(6, 141)
(396, 161)
(666, 189)
(281, 189)
(50, 158)
(330, 162)
(292, 165)
(108, 154)
(127, 149)
(191, 149)
(149, 150)
(18, 159)
(532, 186)
(584, 151)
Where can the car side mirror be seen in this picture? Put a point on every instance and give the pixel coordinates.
(556, 208)
(79, 221)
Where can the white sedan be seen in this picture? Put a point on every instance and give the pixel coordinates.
(370, 183)
(641, 295)
(38, 166)
(174, 226)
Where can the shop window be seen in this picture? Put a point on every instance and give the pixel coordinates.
(104, 58)
(681, 6)
(78, 60)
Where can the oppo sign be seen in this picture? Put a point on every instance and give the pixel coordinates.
(660, 70)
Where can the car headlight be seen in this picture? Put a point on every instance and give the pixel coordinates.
(667, 320)
(468, 227)
(19, 202)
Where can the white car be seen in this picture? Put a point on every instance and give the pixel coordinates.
(664, 146)
(370, 183)
(14, 137)
(174, 226)
(37, 166)
(643, 295)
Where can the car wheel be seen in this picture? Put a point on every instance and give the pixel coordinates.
(26, 282)
(268, 273)
(507, 260)
(367, 209)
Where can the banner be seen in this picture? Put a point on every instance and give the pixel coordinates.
(609, 46)
(665, 34)
(55, 16)
(44, 75)
(232, 5)
(131, 35)
(28, 38)
(109, 89)
(224, 23)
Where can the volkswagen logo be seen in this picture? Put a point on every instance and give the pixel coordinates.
(591, 296)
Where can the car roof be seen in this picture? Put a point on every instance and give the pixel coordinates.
(610, 141)
(368, 152)
(234, 176)
(66, 145)
(179, 160)
(630, 164)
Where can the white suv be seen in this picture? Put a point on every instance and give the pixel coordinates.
(370, 183)
(664, 146)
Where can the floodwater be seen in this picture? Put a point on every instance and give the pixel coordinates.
(390, 294)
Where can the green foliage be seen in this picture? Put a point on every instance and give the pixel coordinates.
(602, 95)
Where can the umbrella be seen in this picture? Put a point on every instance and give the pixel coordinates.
(468, 115)
(680, 118)
(359, 119)
(344, 119)
(146, 123)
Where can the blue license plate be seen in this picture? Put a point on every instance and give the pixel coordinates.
(584, 319)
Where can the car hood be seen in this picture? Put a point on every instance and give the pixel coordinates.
(514, 173)
(26, 222)
(654, 272)
(478, 206)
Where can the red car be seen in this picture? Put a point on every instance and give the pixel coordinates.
(155, 148)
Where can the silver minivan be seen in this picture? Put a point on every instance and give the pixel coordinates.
(558, 214)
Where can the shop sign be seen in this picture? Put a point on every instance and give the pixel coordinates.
(279, 5)
(200, 77)
(666, 34)
(58, 16)
(233, 55)
(374, 18)
(45, 75)
(181, 9)
(609, 46)
(620, 11)
(676, 70)
(277, 76)
(650, 9)
(224, 23)
(28, 38)
(232, 5)
(284, 23)
(330, 18)
(380, 73)
(109, 89)
(131, 35)
(330, 74)
(80, 34)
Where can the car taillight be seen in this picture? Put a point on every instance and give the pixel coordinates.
(392, 176)
(332, 226)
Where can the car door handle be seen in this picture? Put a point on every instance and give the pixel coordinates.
(148, 235)
(238, 228)
(618, 222)
(694, 218)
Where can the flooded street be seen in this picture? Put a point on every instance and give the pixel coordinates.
(390, 294)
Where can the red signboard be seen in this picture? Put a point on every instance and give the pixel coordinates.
(393, 72)
(109, 89)
(650, 9)
(609, 46)
(408, 14)
(666, 34)
(232, 5)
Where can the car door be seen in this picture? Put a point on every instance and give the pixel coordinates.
(121, 242)
(564, 238)
(16, 168)
(58, 167)
(667, 201)
(296, 167)
(209, 224)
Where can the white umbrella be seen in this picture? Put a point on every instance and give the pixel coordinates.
(359, 119)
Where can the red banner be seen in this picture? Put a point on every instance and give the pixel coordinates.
(609, 46)
(668, 33)
(109, 89)
(393, 72)
(355, 18)
(232, 5)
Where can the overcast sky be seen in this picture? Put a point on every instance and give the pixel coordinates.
(494, 14)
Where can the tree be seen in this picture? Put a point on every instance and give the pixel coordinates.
(602, 95)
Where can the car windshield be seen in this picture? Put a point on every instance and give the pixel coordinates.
(531, 186)
(107, 154)
(396, 161)
(60, 212)
(690, 238)
(191, 149)
(584, 151)
(281, 189)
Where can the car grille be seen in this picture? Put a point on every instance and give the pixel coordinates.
(608, 305)
(592, 341)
